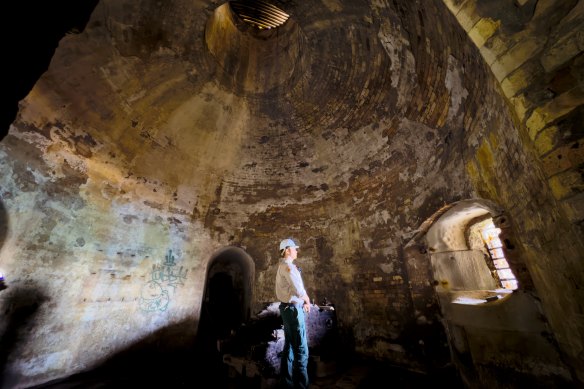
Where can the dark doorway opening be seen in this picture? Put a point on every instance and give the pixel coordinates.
(228, 291)
(226, 305)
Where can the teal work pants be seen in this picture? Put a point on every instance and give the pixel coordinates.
(294, 363)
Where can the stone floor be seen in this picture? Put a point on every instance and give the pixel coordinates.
(205, 374)
(234, 364)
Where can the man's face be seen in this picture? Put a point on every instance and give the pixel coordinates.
(293, 252)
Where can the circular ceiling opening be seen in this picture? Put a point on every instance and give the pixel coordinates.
(257, 45)
(259, 13)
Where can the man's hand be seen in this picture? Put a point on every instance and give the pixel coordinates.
(306, 305)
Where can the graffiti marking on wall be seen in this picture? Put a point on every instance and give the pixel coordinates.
(155, 294)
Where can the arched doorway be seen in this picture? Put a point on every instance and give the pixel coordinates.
(228, 291)
(226, 305)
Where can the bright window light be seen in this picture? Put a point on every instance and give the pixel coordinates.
(490, 236)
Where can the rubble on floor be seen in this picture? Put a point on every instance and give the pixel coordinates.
(253, 351)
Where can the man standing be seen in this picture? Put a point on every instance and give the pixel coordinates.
(294, 302)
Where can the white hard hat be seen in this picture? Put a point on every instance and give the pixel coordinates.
(288, 243)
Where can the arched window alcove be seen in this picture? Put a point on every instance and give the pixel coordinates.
(468, 259)
(470, 252)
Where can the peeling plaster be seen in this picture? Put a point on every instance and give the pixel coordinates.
(422, 154)
(403, 63)
(333, 5)
(454, 84)
(387, 268)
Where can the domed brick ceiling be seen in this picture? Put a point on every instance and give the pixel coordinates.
(140, 95)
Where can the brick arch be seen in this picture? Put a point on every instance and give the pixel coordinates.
(231, 268)
(535, 51)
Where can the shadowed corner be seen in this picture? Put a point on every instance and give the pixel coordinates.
(3, 224)
(3, 234)
(31, 53)
(19, 308)
(169, 357)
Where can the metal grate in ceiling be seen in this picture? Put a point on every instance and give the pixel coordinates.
(259, 13)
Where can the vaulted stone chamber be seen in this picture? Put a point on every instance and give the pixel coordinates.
(166, 132)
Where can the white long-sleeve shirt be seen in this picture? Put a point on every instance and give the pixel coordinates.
(289, 285)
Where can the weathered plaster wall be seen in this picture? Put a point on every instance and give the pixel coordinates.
(86, 267)
(136, 142)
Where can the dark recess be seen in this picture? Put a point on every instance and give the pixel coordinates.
(31, 31)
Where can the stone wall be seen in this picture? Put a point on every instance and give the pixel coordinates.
(534, 49)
